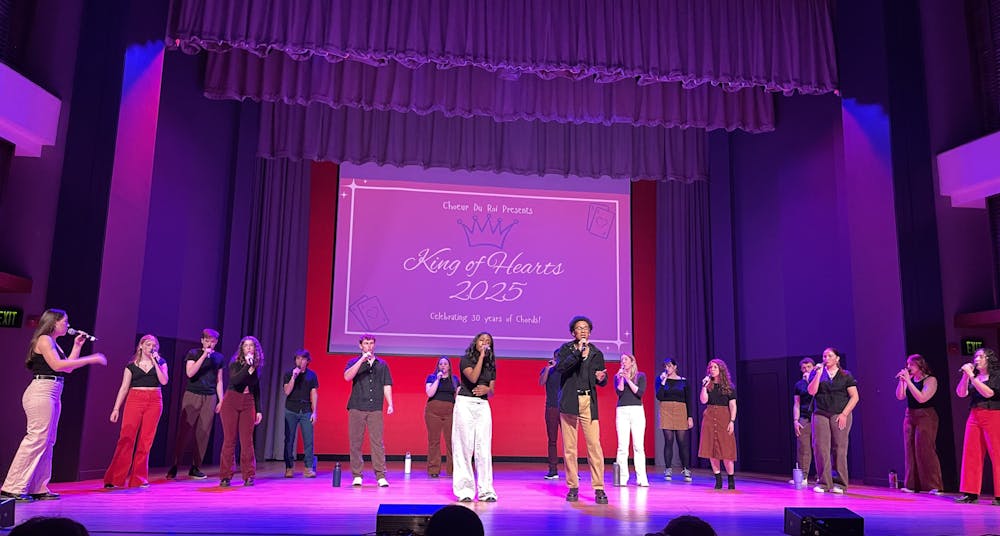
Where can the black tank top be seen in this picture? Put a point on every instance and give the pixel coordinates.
(912, 403)
(40, 368)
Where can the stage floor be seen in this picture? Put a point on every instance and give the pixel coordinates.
(527, 505)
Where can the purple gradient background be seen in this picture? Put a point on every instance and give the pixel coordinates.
(384, 226)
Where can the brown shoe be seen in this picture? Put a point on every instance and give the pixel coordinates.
(289, 472)
(310, 473)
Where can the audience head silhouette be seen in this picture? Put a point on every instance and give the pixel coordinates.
(454, 519)
(686, 526)
(49, 526)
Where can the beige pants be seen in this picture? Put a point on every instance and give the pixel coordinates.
(31, 469)
(592, 435)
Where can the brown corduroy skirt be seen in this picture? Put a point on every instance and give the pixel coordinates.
(715, 441)
(673, 416)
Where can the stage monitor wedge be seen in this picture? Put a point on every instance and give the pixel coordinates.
(801, 521)
(393, 519)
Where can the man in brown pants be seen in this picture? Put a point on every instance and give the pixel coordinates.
(371, 386)
(202, 400)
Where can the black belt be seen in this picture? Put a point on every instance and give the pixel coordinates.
(583, 392)
(49, 377)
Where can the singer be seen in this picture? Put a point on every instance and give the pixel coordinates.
(802, 407)
(920, 426)
(550, 378)
(836, 395)
(301, 387)
(473, 433)
(240, 412)
(581, 366)
(718, 423)
(31, 468)
(440, 388)
(371, 387)
(675, 418)
(141, 383)
(981, 384)
(630, 385)
(201, 401)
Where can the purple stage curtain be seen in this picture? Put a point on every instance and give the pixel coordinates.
(274, 289)
(318, 132)
(468, 91)
(781, 45)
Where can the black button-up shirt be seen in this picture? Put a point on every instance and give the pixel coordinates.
(578, 374)
(366, 387)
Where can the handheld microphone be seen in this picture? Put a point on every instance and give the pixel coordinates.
(86, 335)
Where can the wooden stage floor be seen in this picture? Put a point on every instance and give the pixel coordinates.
(527, 505)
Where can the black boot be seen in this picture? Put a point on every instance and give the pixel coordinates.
(731, 481)
(718, 480)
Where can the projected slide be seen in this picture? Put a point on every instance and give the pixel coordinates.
(425, 266)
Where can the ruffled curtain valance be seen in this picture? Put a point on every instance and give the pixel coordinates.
(780, 45)
(318, 132)
(468, 92)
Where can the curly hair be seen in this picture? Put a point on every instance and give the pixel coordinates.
(258, 352)
(473, 354)
(992, 361)
(921, 364)
(725, 381)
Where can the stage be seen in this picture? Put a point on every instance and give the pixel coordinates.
(527, 505)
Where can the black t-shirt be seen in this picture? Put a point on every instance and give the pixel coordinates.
(486, 375)
(141, 378)
(552, 384)
(299, 399)
(203, 381)
(717, 398)
(831, 396)
(368, 385)
(801, 390)
(979, 401)
(446, 388)
(626, 397)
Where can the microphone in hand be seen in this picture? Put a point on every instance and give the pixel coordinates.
(705, 381)
(86, 335)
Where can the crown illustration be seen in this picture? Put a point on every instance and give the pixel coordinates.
(486, 233)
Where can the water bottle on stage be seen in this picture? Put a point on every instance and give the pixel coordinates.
(797, 476)
(336, 475)
(407, 463)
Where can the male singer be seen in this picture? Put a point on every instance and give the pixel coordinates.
(202, 399)
(802, 418)
(581, 365)
(371, 384)
(550, 378)
(300, 385)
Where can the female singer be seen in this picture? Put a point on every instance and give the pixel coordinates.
(241, 412)
(141, 381)
(438, 414)
(983, 425)
(835, 393)
(31, 468)
(718, 422)
(920, 425)
(675, 418)
(630, 384)
(473, 430)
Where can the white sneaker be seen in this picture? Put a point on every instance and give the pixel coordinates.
(819, 489)
(357, 481)
(687, 475)
(668, 474)
(643, 484)
(838, 490)
(383, 483)
(936, 492)
(907, 490)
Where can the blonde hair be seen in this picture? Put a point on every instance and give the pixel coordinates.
(138, 347)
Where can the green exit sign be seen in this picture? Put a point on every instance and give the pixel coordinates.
(11, 317)
(970, 345)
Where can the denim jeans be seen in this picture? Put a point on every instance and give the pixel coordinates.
(292, 421)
